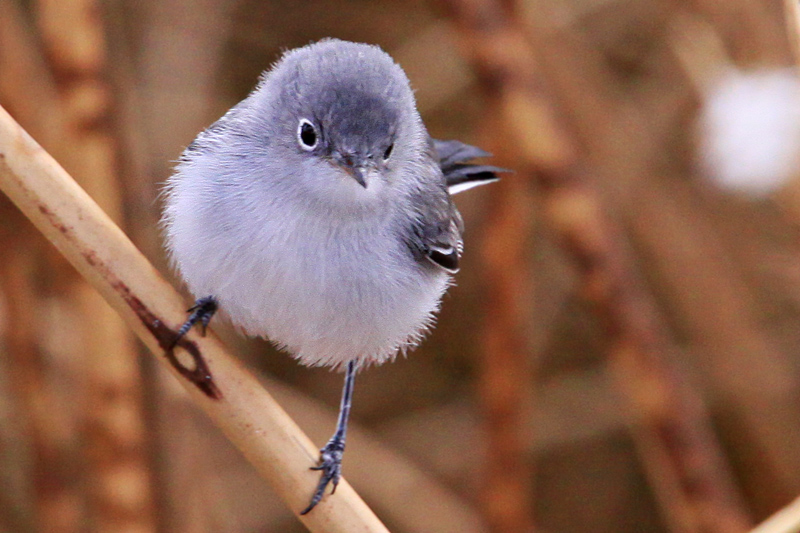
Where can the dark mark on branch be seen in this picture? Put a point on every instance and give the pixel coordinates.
(90, 258)
(166, 337)
(53, 219)
(200, 374)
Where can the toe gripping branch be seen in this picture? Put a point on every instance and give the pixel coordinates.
(330, 457)
(330, 463)
(202, 311)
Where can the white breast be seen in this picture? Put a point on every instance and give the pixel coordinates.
(327, 291)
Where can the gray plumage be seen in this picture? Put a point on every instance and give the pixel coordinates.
(317, 213)
(289, 243)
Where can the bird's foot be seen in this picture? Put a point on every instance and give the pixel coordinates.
(330, 464)
(202, 311)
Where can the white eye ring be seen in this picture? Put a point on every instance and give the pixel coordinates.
(307, 136)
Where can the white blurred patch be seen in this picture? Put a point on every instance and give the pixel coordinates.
(750, 130)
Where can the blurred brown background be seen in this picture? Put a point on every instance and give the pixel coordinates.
(620, 353)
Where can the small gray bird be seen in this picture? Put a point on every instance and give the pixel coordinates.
(317, 213)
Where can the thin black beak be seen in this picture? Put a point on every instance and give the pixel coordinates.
(357, 173)
(353, 164)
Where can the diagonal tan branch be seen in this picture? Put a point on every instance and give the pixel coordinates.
(787, 520)
(230, 395)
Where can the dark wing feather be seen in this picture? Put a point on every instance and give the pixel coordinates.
(452, 152)
(447, 259)
(435, 236)
(460, 175)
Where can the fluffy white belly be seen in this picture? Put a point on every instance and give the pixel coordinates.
(327, 295)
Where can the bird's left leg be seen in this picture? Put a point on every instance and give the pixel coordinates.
(330, 457)
(202, 311)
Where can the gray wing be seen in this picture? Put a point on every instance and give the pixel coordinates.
(439, 237)
(435, 237)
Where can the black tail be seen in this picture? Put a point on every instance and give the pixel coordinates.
(458, 172)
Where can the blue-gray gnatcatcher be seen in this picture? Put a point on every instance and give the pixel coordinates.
(317, 213)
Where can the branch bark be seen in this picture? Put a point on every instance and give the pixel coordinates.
(787, 520)
(219, 385)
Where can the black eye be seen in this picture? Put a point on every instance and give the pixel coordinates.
(307, 135)
(388, 152)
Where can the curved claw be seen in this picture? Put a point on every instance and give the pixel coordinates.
(202, 311)
(330, 463)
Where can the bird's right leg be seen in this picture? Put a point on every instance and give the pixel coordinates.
(330, 458)
(202, 311)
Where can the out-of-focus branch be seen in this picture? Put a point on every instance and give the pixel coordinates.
(792, 14)
(166, 88)
(751, 375)
(671, 427)
(788, 196)
(119, 481)
(506, 368)
(51, 431)
(51, 424)
(247, 414)
(26, 84)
